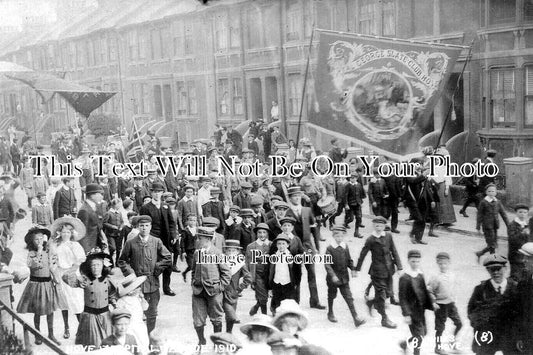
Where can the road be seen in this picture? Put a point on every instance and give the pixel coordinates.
(175, 313)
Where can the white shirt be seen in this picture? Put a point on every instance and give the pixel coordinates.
(490, 199)
(144, 239)
(342, 245)
(503, 285)
(413, 273)
(192, 230)
(382, 234)
(297, 209)
(521, 223)
(262, 242)
(274, 112)
(282, 274)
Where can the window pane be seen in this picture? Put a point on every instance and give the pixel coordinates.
(294, 20)
(223, 94)
(193, 100)
(295, 93)
(135, 98)
(502, 11)
(528, 120)
(145, 97)
(182, 98)
(503, 98)
(179, 39)
(272, 32)
(388, 18)
(235, 31)
(423, 13)
(367, 17)
(254, 28)
(528, 10)
(189, 39)
(221, 32)
(238, 108)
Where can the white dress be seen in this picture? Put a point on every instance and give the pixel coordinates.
(137, 327)
(69, 254)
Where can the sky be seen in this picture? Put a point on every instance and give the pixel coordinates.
(16, 12)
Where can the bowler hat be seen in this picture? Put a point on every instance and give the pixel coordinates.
(494, 260)
(93, 189)
(443, 255)
(491, 153)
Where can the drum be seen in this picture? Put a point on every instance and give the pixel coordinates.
(328, 205)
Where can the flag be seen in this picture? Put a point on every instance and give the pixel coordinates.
(135, 149)
(379, 92)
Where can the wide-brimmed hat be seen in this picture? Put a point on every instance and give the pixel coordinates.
(76, 223)
(287, 307)
(259, 320)
(34, 230)
(97, 253)
(129, 281)
(263, 226)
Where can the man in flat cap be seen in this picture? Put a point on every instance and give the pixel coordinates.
(148, 257)
(243, 199)
(91, 214)
(519, 233)
(163, 227)
(208, 283)
(120, 318)
(186, 206)
(493, 311)
(280, 209)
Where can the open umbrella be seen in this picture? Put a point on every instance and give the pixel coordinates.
(82, 98)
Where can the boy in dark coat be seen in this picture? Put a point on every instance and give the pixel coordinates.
(487, 217)
(283, 277)
(258, 269)
(355, 193)
(493, 311)
(385, 259)
(337, 274)
(340, 197)
(243, 232)
(519, 233)
(414, 300)
(215, 208)
(240, 279)
(378, 194)
(187, 243)
(472, 191)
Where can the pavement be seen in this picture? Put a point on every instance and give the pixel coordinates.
(175, 313)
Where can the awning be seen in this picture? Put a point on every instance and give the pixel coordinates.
(82, 98)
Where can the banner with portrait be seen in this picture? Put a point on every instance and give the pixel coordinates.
(379, 92)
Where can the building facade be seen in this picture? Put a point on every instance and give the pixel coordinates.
(191, 66)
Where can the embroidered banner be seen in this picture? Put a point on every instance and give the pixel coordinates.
(379, 92)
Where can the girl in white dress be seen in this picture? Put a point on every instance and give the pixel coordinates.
(66, 231)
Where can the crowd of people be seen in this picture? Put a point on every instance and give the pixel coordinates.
(101, 258)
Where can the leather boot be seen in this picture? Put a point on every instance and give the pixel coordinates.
(201, 337)
(254, 309)
(387, 323)
(217, 327)
(356, 320)
(331, 315)
(229, 326)
(263, 308)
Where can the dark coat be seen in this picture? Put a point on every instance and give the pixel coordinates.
(355, 193)
(242, 201)
(490, 311)
(243, 234)
(275, 228)
(168, 225)
(64, 203)
(487, 215)
(238, 282)
(394, 187)
(303, 229)
(215, 209)
(525, 294)
(337, 155)
(413, 294)
(149, 260)
(93, 221)
(342, 261)
(213, 278)
(518, 236)
(384, 256)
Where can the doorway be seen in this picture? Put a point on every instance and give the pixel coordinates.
(256, 97)
(158, 104)
(167, 99)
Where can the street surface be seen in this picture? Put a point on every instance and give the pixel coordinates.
(175, 313)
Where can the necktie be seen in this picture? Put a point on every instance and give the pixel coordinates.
(500, 290)
(235, 220)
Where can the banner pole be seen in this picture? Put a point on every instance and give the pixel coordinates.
(304, 85)
(448, 114)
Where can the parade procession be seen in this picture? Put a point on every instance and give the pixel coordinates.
(266, 177)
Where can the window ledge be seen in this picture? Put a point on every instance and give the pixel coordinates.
(506, 133)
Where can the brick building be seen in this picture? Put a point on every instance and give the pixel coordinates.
(189, 66)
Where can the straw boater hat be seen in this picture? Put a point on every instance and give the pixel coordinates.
(129, 281)
(259, 320)
(76, 223)
(290, 307)
(232, 243)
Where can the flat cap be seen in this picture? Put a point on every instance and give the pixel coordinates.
(443, 255)
(521, 206)
(287, 220)
(233, 243)
(491, 153)
(247, 212)
(246, 185)
(494, 260)
(339, 228)
(281, 237)
(119, 313)
(256, 200)
(215, 190)
(490, 185)
(235, 208)
(157, 186)
(276, 198)
(144, 219)
(170, 200)
(206, 232)
(527, 249)
(210, 222)
(414, 254)
(379, 219)
(187, 187)
(281, 204)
